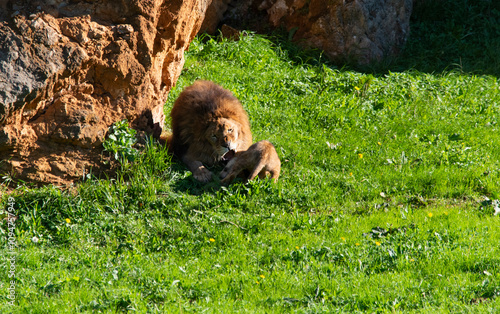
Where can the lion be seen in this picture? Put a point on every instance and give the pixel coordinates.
(209, 125)
(260, 160)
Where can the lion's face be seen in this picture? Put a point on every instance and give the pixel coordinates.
(223, 134)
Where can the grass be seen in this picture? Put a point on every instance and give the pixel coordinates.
(385, 202)
(460, 35)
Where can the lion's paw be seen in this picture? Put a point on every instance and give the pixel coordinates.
(224, 173)
(202, 174)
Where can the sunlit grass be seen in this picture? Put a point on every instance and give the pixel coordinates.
(385, 203)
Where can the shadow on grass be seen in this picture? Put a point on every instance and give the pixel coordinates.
(190, 185)
(459, 35)
(445, 35)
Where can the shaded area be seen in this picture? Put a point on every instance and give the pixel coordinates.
(445, 35)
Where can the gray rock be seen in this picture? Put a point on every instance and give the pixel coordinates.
(360, 31)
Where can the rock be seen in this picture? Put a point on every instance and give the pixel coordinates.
(215, 14)
(230, 32)
(359, 31)
(71, 68)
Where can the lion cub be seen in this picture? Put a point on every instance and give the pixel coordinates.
(260, 160)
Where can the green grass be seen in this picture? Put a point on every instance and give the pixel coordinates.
(385, 201)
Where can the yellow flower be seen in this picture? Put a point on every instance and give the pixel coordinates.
(262, 276)
(356, 88)
(429, 214)
(68, 220)
(379, 143)
(412, 260)
(377, 243)
(212, 240)
(350, 173)
(357, 244)
(342, 238)
(257, 282)
(287, 249)
(360, 156)
(297, 247)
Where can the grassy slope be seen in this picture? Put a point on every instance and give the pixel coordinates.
(412, 152)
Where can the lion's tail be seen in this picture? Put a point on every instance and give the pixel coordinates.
(167, 138)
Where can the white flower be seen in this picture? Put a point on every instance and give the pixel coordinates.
(496, 206)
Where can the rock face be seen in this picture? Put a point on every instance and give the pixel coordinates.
(360, 31)
(71, 68)
(214, 15)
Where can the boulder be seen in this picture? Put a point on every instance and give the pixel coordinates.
(71, 68)
(214, 15)
(358, 31)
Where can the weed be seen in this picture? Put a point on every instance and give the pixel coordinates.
(120, 142)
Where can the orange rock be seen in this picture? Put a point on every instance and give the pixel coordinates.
(68, 72)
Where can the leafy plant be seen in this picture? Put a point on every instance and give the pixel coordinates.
(120, 142)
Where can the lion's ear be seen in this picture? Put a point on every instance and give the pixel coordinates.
(238, 125)
(240, 129)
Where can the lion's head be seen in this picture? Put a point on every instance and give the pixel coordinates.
(223, 135)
